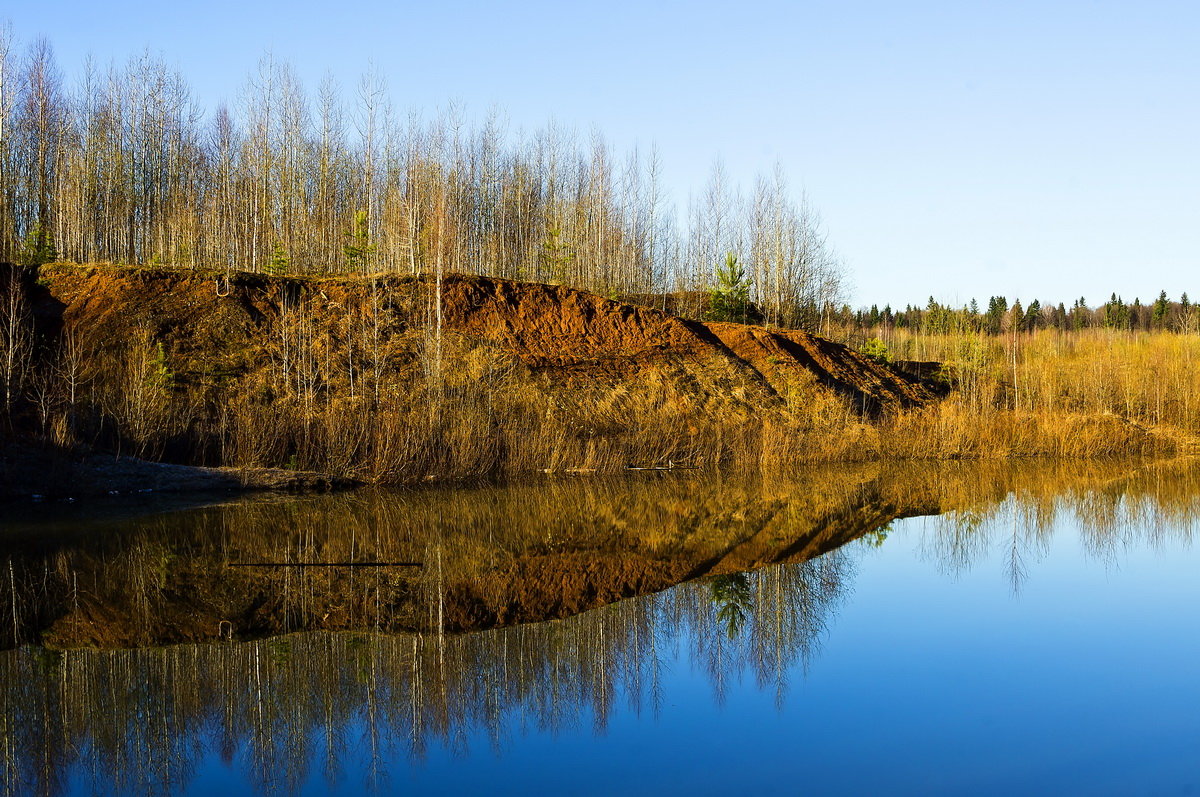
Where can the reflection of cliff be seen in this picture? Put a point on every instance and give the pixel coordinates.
(491, 556)
(140, 720)
(292, 707)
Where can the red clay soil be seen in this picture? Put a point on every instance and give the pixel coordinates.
(227, 336)
(547, 327)
(554, 327)
(776, 353)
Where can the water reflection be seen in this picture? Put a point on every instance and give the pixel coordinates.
(1144, 506)
(490, 556)
(142, 719)
(762, 566)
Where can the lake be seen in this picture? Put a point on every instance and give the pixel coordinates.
(982, 628)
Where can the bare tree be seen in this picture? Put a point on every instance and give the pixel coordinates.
(127, 169)
(16, 338)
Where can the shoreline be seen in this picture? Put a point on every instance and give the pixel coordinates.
(32, 473)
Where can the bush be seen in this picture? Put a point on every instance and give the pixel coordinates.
(876, 350)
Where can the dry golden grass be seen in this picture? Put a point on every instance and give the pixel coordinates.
(1049, 393)
(350, 378)
(1094, 394)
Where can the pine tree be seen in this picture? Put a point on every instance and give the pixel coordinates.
(1016, 318)
(1079, 313)
(1162, 306)
(876, 349)
(733, 601)
(997, 307)
(1033, 315)
(730, 300)
(358, 249)
(557, 256)
(37, 248)
(1116, 313)
(279, 262)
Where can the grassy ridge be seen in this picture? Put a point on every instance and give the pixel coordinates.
(357, 378)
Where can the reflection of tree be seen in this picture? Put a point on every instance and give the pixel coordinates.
(289, 708)
(877, 537)
(295, 707)
(1141, 504)
(493, 556)
(731, 599)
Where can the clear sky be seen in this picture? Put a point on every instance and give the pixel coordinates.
(956, 149)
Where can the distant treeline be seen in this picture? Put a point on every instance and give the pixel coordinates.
(119, 164)
(1000, 316)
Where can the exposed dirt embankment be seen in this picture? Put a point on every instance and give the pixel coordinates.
(547, 327)
(554, 327)
(378, 379)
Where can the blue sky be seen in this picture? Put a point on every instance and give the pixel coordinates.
(958, 149)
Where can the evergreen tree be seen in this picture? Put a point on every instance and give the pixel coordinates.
(1033, 315)
(994, 320)
(733, 601)
(1079, 313)
(556, 255)
(876, 350)
(279, 262)
(730, 300)
(358, 249)
(37, 248)
(1015, 320)
(1158, 318)
(1117, 314)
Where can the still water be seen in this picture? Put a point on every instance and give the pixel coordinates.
(981, 629)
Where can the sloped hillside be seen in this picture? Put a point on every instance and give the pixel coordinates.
(557, 328)
(383, 378)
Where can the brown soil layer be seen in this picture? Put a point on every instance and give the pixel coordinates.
(554, 327)
(547, 327)
(388, 379)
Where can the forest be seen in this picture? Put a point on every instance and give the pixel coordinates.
(1161, 315)
(119, 164)
(323, 281)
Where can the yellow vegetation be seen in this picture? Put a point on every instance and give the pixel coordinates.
(354, 377)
